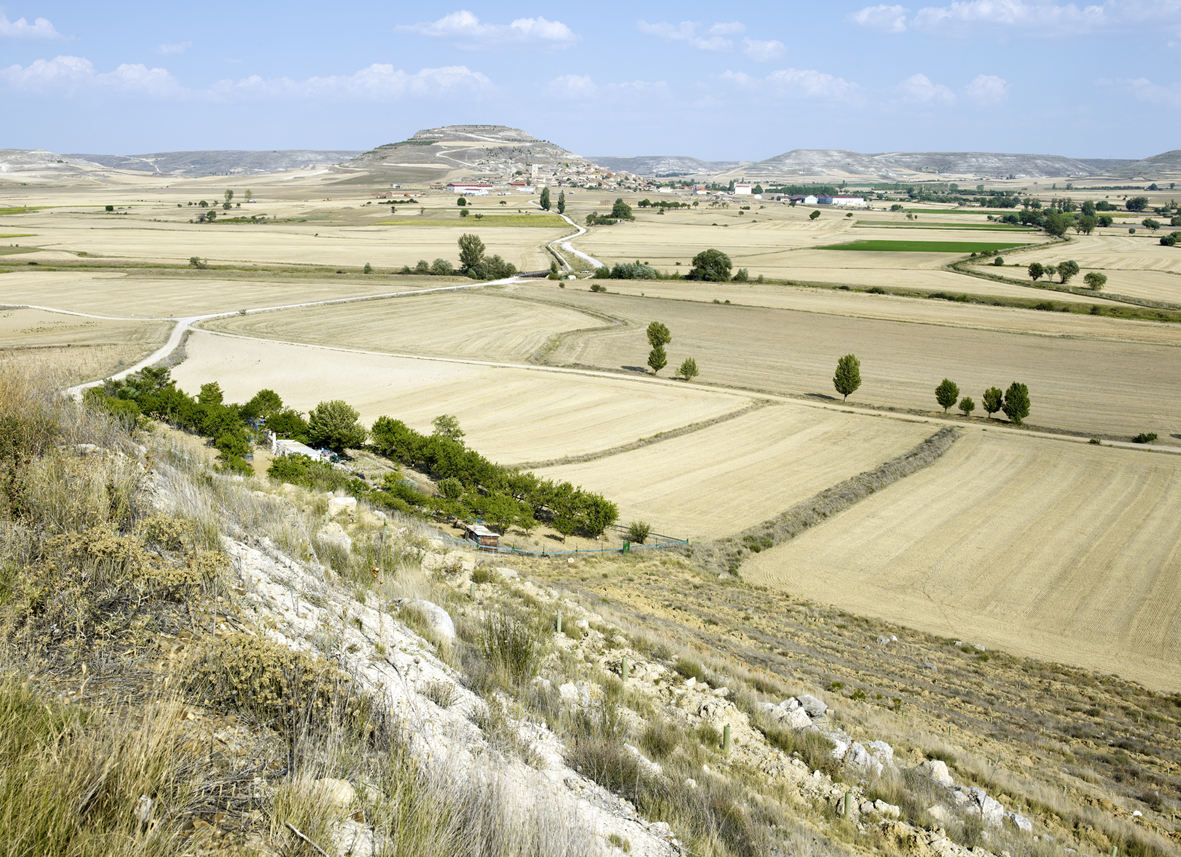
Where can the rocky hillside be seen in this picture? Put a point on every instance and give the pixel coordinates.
(475, 151)
(220, 665)
(656, 166)
(903, 166)
(222, 163)
(1157, 168)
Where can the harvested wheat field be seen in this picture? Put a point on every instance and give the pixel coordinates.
(1094, 387)
(891, 307)
(729, 476)
(482, 325)
(278, 243)
(510, 414)
(1060, 551)
(74, 347)
(189, 292)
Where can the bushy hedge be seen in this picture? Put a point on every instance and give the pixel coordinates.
(499, 494)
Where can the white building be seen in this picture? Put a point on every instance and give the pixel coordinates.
(743, 189)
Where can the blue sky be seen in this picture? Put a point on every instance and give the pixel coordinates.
(715, 81)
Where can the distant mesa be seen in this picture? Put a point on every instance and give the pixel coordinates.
(221, 163)
(657, 166)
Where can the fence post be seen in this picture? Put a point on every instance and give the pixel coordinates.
(848, 804)
(471, 593)
(726, 739)
(623, 669)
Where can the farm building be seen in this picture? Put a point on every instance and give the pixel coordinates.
(481, 535)
(849, 201)
(743, 189)
(470, 188)
(803, 200)
(280, 448)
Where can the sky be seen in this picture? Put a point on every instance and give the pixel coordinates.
(709, 80)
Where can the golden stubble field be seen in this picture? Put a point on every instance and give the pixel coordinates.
(1064, 552)
(1091, 386)
(510, 414)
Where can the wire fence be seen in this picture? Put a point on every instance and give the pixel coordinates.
(654, 541)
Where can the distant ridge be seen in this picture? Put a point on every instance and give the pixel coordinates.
(1162, 166)
(230, 162)
(894, 166)
(665, 165)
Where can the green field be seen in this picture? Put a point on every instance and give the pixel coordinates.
(975, 227)
(23, 210)
(18, 235)
(548, 221)
(924, 246)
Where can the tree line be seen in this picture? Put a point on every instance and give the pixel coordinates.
(470, 486)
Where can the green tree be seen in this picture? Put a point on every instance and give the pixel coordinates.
(545, 203)
(758, 189)
(1136, 203)
(1150, 223)
(947, 393)
(711, 266)
(1088, 208)
(249, 194)
(229, 194)
(992, 400)
(447, 425)
(814, 215)
(334, 424)
(1055, 224)
(1106, 220)
(658, 335)
(461, 202)
(451, 488)
(1067, 269)
(621, 210)
(688, 369)
(848, 376)
(1095, 281)
(1016, 404)
(471, 253)
(1036, 271)
(265, 404)
(1086, 224)
(967, 406)
(368, 269)
(562, 202)
(657, 359)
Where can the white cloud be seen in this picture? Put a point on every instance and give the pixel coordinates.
(170, 48)
(919, 87)
(1144, 89)
(466, 30)
(22, 29)
(795, 83)
(695, 34)
(70, 74)
(580, 87)
(987, 89)
(378, 82)
(966, 17)
(761, 51)
(889, 19)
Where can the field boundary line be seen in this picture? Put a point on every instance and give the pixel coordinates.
(645, 441)
(727, 554)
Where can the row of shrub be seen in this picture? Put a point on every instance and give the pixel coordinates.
(469, 484)
(502, 495)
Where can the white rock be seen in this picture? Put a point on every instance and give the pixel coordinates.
(989, 808)
(937, 771)
(437, 619)
(336, 505)
(883, 752)
(690, 783)
(858, 757)
(841, 744)
(887, 809)
(355, 839)
(143, 809)
(812, 705)
(334, 534)
(797, 719)
(1019, 822)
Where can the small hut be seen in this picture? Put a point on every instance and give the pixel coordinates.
(481, 535)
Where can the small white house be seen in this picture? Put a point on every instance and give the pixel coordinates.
(743, 189)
